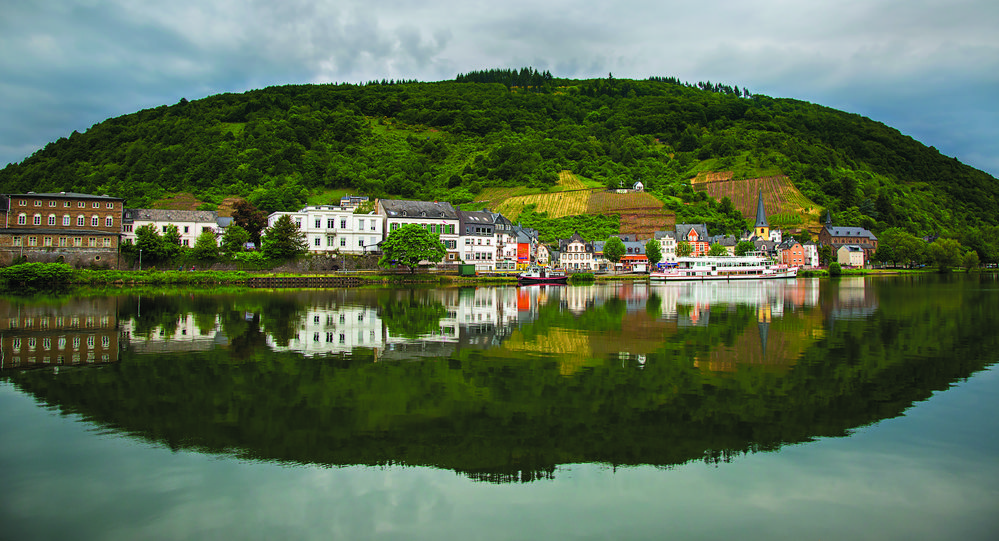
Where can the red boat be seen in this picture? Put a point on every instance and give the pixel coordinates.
(541, 275)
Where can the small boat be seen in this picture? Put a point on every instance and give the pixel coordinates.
(541, 275)
(724, 268)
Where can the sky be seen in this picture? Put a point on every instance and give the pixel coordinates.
(927, 68)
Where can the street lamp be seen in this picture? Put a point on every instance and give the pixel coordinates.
(140, 258)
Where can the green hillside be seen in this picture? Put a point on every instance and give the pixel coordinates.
(451, 140)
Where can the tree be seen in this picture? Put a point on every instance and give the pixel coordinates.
(744, 247)
(971, 260)
(284, 239)
(946, 253)
(614, 249)
(250, 218)
(717, 250)
(825, 254)
(653, 251)
(409, 245)
(899, 246)
(149, 243)
(171, 241)
(206, 247)
(234, 240)
(684, 249)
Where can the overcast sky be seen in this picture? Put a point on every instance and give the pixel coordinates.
(928, 68)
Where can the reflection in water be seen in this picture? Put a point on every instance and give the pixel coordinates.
(505, 383)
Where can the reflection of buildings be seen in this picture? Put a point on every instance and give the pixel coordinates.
(187, 334)
(852, 300)
(78, 332)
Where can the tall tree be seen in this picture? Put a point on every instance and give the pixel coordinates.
(653, 251)
(744, 247)
(614, 249)
(717, 250)
(206, 247)
(946, 253)
(284, 239)
(234, 240)
(684, 249)
(250, 218)
(409, 245)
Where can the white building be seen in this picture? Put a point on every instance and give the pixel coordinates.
(438, 217)
(336, 229)
(576, 254)
(477, 240)
(667, 245)
(190, 223)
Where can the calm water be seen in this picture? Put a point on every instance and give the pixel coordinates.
(803, 409)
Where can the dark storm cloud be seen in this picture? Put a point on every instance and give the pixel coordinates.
(927, 68)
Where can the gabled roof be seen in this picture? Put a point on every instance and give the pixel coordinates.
(483, 217)
(401, 208)
(64, 195)
(664, 234)
(161, 215)
(683, 230)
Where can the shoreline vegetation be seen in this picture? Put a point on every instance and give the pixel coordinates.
(34, 276)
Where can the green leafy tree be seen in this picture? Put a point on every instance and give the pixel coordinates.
(899, 246)
(253, 220)
(835, 269)
(945, 253)
(409, 245)
(717, 250)
(149, 244)
(171, 241)
(614, 249)
(684, 249)
(825, 254)
(234, 240)
(206, 247)
(284, 239)
(971, 260)
(744, 247)
(653, 251)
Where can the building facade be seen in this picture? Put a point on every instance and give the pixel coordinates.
(438, 217)
(189, 223)
(78, 229)
(330, 229)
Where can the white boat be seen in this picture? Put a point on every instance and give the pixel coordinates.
(541, 275)
(724, 268)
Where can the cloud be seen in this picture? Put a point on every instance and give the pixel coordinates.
(926, 68)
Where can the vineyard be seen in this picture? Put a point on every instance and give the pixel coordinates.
(570, 200)
(781, 199)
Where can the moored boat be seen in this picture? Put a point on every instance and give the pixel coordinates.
(541, 275)
(724, 268)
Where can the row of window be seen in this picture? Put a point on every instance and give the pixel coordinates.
(332, 241)
(81, 220)
(443, 229)
(63, 242)
(59, 322)
(66, 204)
(60, 359)
(61, 343)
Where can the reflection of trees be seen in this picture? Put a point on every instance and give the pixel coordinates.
(501, 418)
(414, 315)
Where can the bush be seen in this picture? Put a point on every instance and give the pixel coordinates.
(37, 274)
(835, 269)
(582, 277)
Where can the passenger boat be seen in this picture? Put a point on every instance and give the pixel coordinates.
(724, 268)
(541, 275)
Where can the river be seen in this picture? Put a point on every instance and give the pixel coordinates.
(860, 408)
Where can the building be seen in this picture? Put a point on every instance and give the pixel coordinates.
(762, 228)
(811, 254)
(477, 239)
(189, 223)
(330, 229)
(78, 229)
(850, 255)
(792, 253)
(437, 217)
(836, 237)
(667, 245)
(696, 235)
(576, 254)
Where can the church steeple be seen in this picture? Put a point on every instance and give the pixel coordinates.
(762, 228)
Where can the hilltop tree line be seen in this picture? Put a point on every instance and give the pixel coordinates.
(450, 140)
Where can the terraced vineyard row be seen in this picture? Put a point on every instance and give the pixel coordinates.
(780, 197)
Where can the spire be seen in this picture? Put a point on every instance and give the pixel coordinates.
(828, 218)
(761, 216)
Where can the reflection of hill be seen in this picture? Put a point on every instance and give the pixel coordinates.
(511, 413)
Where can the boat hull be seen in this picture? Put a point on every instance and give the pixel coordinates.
(546, 280)
(679, 277)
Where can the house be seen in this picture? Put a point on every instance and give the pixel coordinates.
(762, 228)
(727, 241)
(696, 235)
(667, 245)
(438, 217)
(506, 242)
(792, 253)
(477, 239)
(576, 254)
(836, 237)
(850, 255)
(189, 223)
(76, 228)
(331, 229)
(638, 186)
(811, 254)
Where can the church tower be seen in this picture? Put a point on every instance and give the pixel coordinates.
(761, 229)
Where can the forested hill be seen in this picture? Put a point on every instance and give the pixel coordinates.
(449, 140)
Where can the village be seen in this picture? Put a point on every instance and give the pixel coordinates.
(88, 230)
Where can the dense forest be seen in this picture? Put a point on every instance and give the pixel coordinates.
(449, 140)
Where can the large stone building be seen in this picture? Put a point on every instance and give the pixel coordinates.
(78, 229)
(190, 223)
(336, 229)
(438, 217)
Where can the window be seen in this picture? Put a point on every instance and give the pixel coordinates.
(77, 241)
(343, 241)
(109, 222)
(81, 205)
(185, 242)
(110, 205)
(38, 203)
(80, 221)
(32, 241)
(127, 228)
(16, 241)
(22, 202)
(331, 223)
(164, 229)
(107, 242)
(62, 241)
(343, 223)
(96, 205)
(360, 242)
(47, 241)
(393, 227)
(187, 229)
(52, 203)
(298, 223)
(374, 226)
(95, 221)
(66, 220)
(38, 219)
(22, 219)
(67, 204)
(360, 224)
(317, 242)
(330, 241)
(319, 223)
(92, 242)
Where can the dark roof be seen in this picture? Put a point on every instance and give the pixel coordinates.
(401, 208)
(161, 215)
(483, 217)
(848, 231)
(761, 216)
(663, 234)
(682, 230)
(65, 195)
